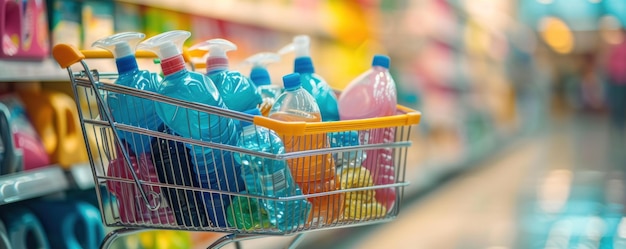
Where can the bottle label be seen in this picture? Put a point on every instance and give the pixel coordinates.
(275, 181)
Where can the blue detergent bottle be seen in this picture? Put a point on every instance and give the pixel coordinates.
(237, 90)
(261, 78)
(272, 178)
(314, 84)
(126, 109)
(214, 169)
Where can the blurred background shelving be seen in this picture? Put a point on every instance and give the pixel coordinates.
(483, 73)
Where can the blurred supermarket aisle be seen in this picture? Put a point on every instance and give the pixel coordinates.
(555, 189)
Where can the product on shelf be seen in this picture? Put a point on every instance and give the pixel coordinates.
(25, 138)
(80, 223)
(23, 29)
(128, 17)
(213, 167)
(96, 20)
(272, 178)
(373, 94)
(64, 18)
(55, 117)
(314, 174)
(23, 228)
(11, 157)
(312, 82)
(261, 78)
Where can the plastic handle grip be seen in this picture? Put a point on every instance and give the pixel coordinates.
(405, 117)
(99, 54)
(66, 55)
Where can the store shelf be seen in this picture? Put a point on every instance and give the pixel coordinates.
(24, 71)
(43, 181)
(274, 16)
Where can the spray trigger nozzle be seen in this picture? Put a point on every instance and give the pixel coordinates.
(300, 45)
(121, 44)
(262, 59)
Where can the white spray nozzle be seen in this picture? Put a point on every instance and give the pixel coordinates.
(216, 59)
(262, 59)
(300, 45)
(121, 44)
(216, 47)
(167, 44)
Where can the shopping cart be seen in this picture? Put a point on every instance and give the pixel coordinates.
(160, 191)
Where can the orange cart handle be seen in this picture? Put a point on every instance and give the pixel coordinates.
(67, 55)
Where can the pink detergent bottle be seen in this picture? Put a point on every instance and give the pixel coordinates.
(132, 208)
(373, 94)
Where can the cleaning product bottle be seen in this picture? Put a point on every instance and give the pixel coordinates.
(71, 224)
(314, 174)
(373, 94)
(312, 82)
(237, 91)
(126, 109)
(261, 78)
(213, 168)
(272, 178)
(131, 206)
(174, 168)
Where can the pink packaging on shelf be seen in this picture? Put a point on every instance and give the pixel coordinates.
(23, 29)
(25, 137)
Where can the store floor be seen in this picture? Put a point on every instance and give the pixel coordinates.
(559, 188)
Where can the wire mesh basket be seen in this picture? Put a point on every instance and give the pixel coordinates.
(305, 177)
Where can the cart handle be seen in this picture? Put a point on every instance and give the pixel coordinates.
(406, 117)
(67, 55)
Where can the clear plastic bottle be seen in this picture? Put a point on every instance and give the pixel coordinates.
(130, 110)
(237, 90)
(312, 82)
(373, 94)
(272, 178)
(314, 174)
(214, 168)
(261, 78)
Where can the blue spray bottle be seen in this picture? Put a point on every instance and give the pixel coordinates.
(272, 178)
(237, 91)
(212, 167)
(127, 109)
(261, 78)
(316, 85)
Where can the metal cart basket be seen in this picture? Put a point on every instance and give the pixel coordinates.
(162, 189)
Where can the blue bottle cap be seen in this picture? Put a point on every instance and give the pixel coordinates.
(292, 81)
(381, 61)
(260, 76)
(126, 64)
(253, 112)
(303, 65)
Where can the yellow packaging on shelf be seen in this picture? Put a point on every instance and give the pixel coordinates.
(55, 118)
